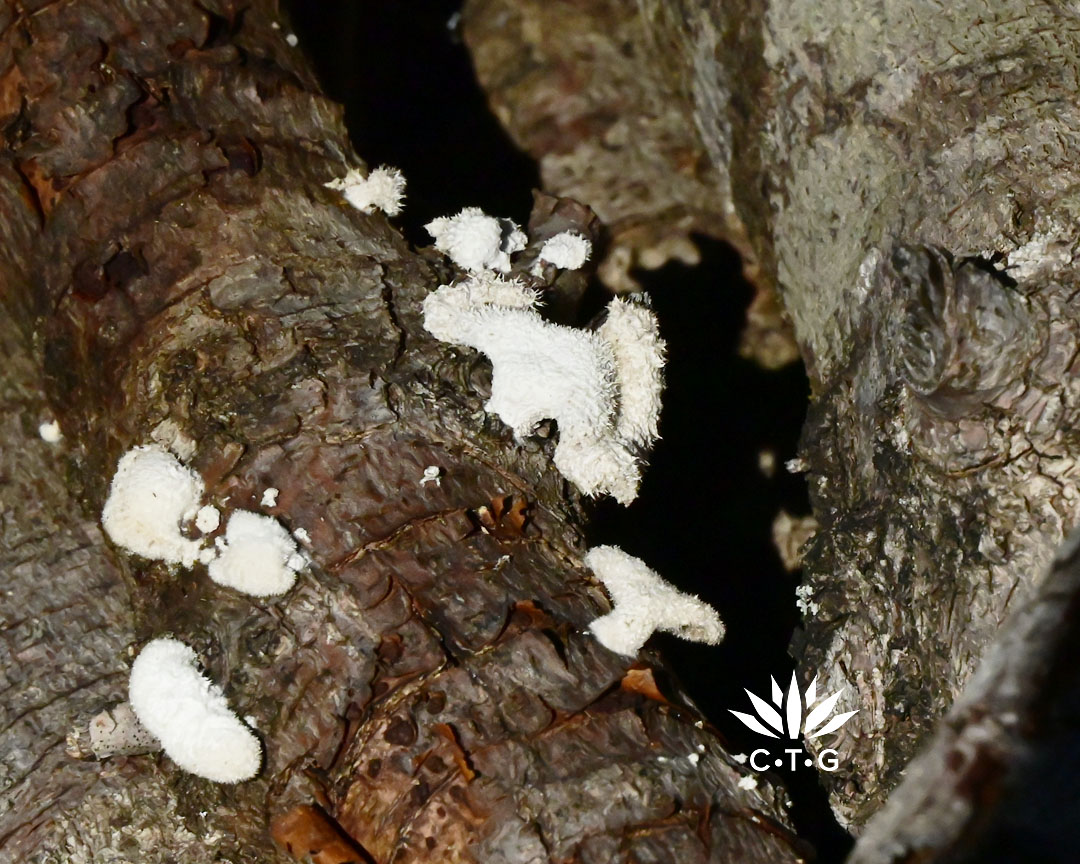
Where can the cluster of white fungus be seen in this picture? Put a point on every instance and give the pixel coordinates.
(644, 602)
(475, 241)
(602, 388)
(188, 714)
(257, 556)
(153, 495)
(382, 189)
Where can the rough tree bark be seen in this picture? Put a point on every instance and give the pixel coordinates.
(903, 176)
(168, 251)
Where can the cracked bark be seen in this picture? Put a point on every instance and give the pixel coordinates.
(174, 263)
(904, 179)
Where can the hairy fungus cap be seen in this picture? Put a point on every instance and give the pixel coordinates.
(602, 388)
(257, 556)
(189, 715)
(151, 496)
(644, 603)
(632, 331)
(567, 250)
(475, 241)
(382, 189)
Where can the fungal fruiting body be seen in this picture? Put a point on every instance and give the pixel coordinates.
(256, 556)
(602, 388)
(207, 519)
(152, 494)
(567, 250)
(50, 432)
(382, 189)
(188, 714)
(644, 602)
(475, 241)
(631, 330)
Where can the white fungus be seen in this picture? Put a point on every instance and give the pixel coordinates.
(604, 395)
(382, 189)
(151, 496)
(292, 39)
(748, 783)
(269, 497)
(188, 714)
(632, 332)
(643, 603)
(50, 432)
(257, 556)
(302, 535)
(567, 250)
(207, 519)
(475, 241)
(431, 475)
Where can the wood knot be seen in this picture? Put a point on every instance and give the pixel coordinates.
(965, 332)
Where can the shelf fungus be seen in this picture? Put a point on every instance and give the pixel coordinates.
(151, 496)
(644, 602)
(475, 241)
(602, 387)
(189, 715)
(257, 556)
(382, 189)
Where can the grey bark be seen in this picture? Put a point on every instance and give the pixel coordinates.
(903, 176)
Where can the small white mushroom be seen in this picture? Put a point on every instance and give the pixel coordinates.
(152, 494)
(644, 603)
(475, 241)
(269, 497)
(50, 432)
(382, 189)
(207, 519)
(257, 556)
(567, 250)
(189, 715)
(431, 475)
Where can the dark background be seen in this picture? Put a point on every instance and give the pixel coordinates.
(704, 516)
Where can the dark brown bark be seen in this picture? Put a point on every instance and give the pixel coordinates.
(902, 175)
(429, 682)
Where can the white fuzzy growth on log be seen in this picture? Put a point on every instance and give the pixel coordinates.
(645, 603)
(257, 556)
(567, 250)
(188, 714)
(152, 494)
(475, 241)
(632, 331)
(382, 189)
(50, 432)
(542, 370)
